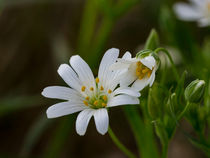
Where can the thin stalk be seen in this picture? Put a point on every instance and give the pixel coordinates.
(183, 112)
(117, 142)
(171, 61)
(165, 151)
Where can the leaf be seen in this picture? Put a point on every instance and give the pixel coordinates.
(15, 103)
(201, 145)
(156, 101)
(34, 134)
(180, 87)
(143, 133)
(60, 137)
(161, 132)
(152, 41)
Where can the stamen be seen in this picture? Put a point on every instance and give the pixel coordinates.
(149, 73)
(141, 77)
(83, 88)
(104, 104)
(87, 98)
(97, 80)
(102, 88)
(109, 91)
(138, 63)
(105, 98)
(91, 88)
(138, 73)
(95, 102)
(85, 102)
(145, 70)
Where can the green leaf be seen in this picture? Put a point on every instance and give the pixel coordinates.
(60, 137)
(156, 100)
(180, 87)
(161, 132)
(152, 41)
(199, 144)
(15, 103)
(34, 134)
(143, 133)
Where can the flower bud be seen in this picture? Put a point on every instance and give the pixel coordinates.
(194, 91)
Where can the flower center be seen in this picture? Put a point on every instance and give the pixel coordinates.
(142, 71)
(98, 99)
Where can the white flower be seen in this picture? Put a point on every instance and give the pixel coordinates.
(89, 95)
(139, 71)
(198, 10)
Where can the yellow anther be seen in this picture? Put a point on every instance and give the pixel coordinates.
(138, 63)
(87, 98)
(145, 70)
(95, 103)
(83, 88)
(149, 73)
(102, 88)
(91, 88)
(85, 102)
(97, 80)
(105, 98)
(138, 73)
(104, 104)
(141, 77)
(109, 91)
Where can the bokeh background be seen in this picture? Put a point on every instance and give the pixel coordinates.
(36, 36)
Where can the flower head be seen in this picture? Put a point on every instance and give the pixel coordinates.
(92, 96)
(198, 10)
(138, 71)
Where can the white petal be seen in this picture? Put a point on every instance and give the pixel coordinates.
(101, 120)
(109, 58)
(83, 70)
(128, 90)
(127, 55)
(199, 2)
(82, 120)
(129, 76)
(122, 100)
(187, 12)
(119, 66)
(148, 61)
(140, 84)
(152, 78)
(69, 76)
(64, 108)
(122, 65)
(204, 22)
(59, 92)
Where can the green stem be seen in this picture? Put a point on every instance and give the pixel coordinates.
(183, 112)
(171, 61)
(165, 151)
(120, 145)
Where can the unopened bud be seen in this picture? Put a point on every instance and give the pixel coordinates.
(194, 91)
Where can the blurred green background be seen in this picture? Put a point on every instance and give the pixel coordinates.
(36, 36)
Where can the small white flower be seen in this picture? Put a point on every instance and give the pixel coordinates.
(139, 71)
(89, 95)
(198, 10)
